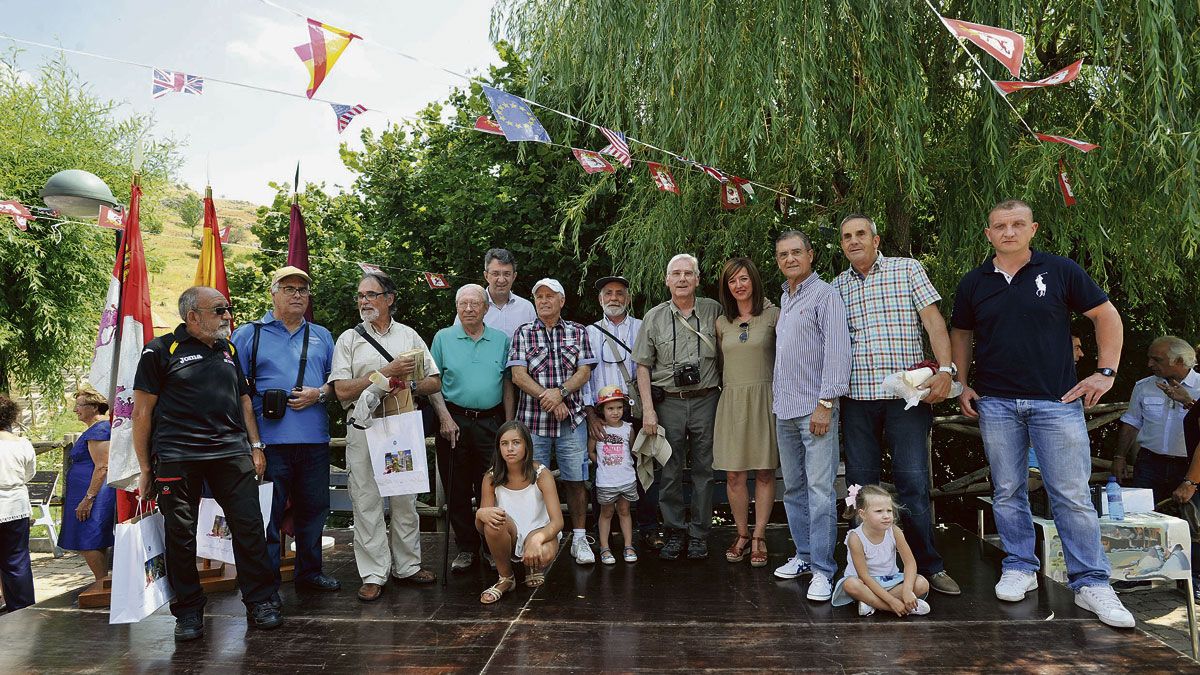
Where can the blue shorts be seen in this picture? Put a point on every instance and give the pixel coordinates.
(569, 447)
(841, 597)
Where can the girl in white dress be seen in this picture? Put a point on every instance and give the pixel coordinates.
(519, 513)
(871, 576)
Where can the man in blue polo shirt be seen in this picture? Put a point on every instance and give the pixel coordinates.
(1013, 313)
(287, 371)
(476, 398)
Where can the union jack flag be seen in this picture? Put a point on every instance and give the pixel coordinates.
(345, 113)
(617, 146)
(167, 81)
(714, 172)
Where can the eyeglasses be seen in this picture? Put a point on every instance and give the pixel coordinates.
(686, 274)
(470, 304)
(220, 311)
(369, 295)
(745, 326)
(301, 291)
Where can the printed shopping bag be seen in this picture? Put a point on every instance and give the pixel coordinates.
(213, 538)
(397, 447)
(139, 577)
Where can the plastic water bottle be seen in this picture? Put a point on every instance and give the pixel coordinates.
(1116, 506)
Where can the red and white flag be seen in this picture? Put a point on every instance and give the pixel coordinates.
(1082, 146)
(488, 126)
(713, 171)
(1064, 184)
(436, 281)
(617, 147)
(110, 218)
(225, 232)
(20, 215)
(1005, 46)
(592, 162)
(1061, 77)
(731, 196)
(663, 180)
(125, 328)
(368, 268)
(746, 187)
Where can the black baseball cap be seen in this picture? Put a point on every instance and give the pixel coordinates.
(604, 281)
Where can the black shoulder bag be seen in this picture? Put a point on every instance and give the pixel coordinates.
(274, 401)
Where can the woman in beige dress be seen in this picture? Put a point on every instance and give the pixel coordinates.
(744, 434)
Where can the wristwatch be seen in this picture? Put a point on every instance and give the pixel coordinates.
(321, 398)
(952, 369)
(1189, 482)
(564, 393)
(826, 404)
(258, 445)
(412, 386)
(1107, 372)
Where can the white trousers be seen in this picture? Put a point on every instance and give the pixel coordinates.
(379, 548)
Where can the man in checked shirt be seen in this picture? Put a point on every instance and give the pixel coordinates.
(888, 301)
(551, 361)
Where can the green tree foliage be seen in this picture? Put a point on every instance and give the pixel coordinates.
(860, 105)
(53, 277)
(190, 209)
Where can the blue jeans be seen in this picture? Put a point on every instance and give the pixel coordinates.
(1058, 434)
(864, 426)
(809, 466)
(570, 449)
(1163, 474)
(299, 472)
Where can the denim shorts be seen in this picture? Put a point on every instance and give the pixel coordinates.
(569, 448)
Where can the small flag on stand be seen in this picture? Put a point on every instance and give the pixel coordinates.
(1064, 184)
(487, 125)
(1082, 146)
(20, 215)
(1003, 45)
(617, 147)
(663, 180)
(368, 268)
(210, 268)
(592, 162)
(1061, 77)
(436, 281)
(731, 196)
(325, 44)
(168, 81)
(110, 218)
(345, 113)
(514, 117)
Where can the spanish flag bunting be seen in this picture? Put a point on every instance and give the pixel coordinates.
(325, 45)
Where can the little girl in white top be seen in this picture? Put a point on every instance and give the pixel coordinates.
(616, 474)
(871, 576)
(519, 513)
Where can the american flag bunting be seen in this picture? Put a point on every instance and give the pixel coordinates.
(345, 113)
(617, 147)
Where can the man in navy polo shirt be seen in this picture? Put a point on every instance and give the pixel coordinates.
(1014, 313)
(298, 442)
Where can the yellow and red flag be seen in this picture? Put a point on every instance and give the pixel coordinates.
(210, 269)
(325, 45)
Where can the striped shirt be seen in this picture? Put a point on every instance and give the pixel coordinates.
(885, 327)
(551, 357)
(610, 356)
(812, 349)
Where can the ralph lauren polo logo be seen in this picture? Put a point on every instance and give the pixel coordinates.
(1041, 285)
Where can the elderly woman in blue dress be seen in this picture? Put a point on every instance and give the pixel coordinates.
(89, 505)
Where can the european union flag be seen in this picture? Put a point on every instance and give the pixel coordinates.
(515, 118)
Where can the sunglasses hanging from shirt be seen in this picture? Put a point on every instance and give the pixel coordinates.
(274, 401)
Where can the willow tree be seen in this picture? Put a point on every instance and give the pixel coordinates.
(862, 105)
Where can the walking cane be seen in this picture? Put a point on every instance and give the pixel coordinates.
(446, 511)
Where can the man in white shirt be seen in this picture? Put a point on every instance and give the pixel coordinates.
(506, 311)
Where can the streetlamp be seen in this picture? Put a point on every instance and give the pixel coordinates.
(77, 194)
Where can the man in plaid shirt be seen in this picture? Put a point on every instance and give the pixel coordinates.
(888, 301)
(551, 361)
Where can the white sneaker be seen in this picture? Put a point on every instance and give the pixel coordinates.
(582, 551)
(819, 588)
(865, 610)
(794, 567)
(922, 608)
(1102, 600)
(1014, 584)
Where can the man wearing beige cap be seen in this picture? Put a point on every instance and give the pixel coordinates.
(286, 360)
(381, 344)
(551, 361)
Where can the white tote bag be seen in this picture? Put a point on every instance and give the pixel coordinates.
(213, 538)
(139, 577)
(397, 447)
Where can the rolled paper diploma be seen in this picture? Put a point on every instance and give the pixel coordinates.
(418, 357)
(915, 378)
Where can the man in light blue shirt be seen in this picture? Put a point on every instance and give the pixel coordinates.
(812, 370)
(506, 311)
(296, 434)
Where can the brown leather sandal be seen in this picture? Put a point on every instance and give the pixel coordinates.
(736, 553)
(759, 558)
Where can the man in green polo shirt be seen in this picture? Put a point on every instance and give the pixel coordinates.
(477, 396)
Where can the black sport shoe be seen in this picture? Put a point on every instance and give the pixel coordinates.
(265, 615)
(674, 546)
(319, 583)
(190, 627)
(697, 548)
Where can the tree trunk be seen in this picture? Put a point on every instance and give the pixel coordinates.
(898, 241)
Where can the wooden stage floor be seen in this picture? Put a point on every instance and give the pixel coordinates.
(653, 616)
